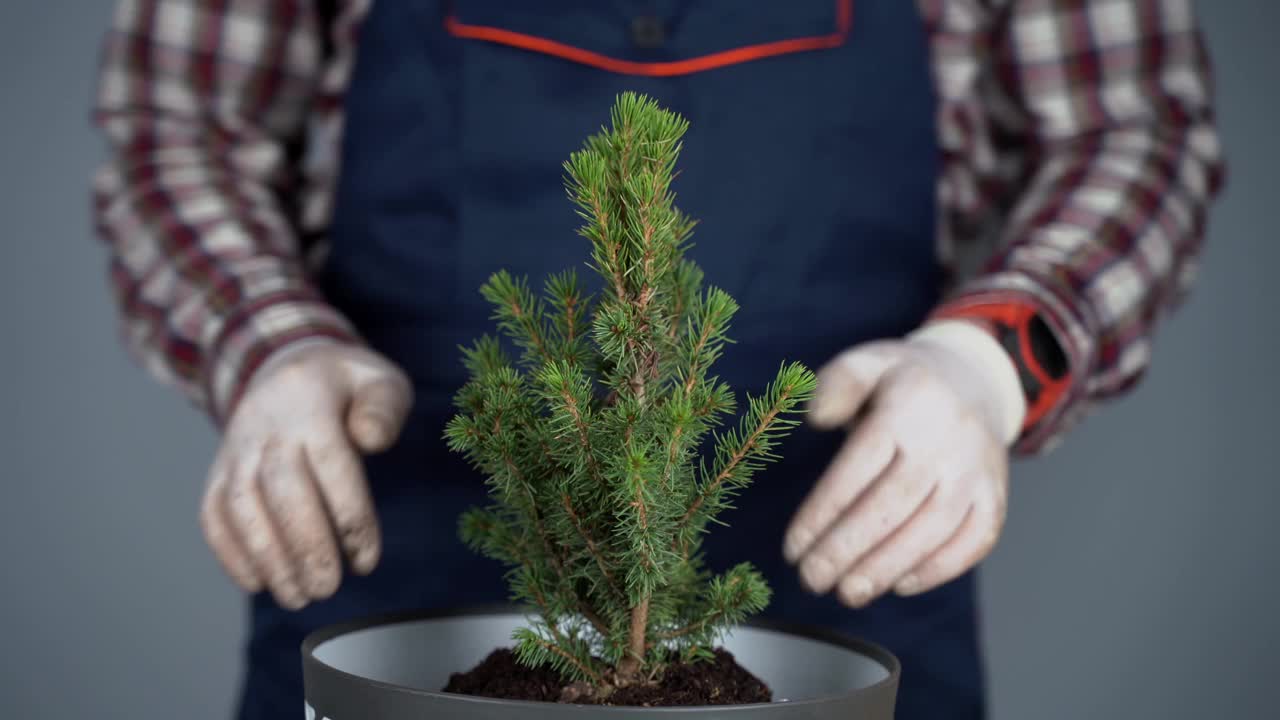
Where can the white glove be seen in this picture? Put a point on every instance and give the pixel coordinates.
(917, 494)
(287, 486)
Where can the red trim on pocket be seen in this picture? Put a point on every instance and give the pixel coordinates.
(747, 53)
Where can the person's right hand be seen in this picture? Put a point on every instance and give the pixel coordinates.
(287, 488)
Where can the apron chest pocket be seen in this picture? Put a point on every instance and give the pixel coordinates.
(665, 39)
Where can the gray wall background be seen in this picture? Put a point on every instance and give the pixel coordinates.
(1137, 577)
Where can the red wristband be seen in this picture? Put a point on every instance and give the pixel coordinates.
(1013, 325)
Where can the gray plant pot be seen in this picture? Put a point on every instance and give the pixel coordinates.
(393, 669)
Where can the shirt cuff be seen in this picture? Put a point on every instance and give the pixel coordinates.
(257, 330)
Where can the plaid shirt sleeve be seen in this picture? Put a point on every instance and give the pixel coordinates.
(1102, 207)
(204, 103)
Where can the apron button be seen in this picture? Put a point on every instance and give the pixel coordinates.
(647, 32)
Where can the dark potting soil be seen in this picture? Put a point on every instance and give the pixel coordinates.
(719, 681)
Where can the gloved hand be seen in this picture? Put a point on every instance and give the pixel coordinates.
(287, 487)
(917, 494)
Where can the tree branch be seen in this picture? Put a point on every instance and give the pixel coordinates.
(593, 618)
(571, 320)
(584, 437)
(672, 447)
(535, 332)
(694, 370)
(556, 649)
(690, 628)
(591, 546)
(619, 281)
(765, 423)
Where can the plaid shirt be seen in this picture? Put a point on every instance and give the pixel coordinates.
(1079, 158)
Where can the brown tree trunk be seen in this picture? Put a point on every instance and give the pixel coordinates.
(630, 665)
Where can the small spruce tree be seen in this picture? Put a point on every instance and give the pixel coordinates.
(590, 440)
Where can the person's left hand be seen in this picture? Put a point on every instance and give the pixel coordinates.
(917, 494)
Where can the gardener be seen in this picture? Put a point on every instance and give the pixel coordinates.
(972, 215)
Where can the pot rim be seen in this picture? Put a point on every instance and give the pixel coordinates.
(832, 637)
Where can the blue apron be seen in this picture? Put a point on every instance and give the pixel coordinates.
(813, 175)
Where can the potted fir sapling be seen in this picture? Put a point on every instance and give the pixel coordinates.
(590, 438)
(610, 447)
